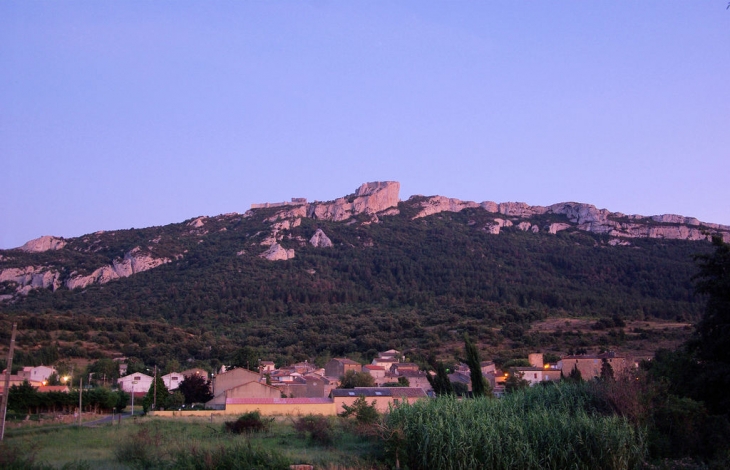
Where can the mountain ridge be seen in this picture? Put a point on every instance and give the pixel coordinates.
(369, 202)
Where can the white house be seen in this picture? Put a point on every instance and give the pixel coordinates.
(38, 374)
(172, 380)
(137, 382)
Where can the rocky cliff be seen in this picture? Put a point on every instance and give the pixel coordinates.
(585, 217)
(271, 231)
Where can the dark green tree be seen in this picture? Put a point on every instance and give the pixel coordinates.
(606, 370)
(353, 379)
(163, 396)
(195, 389)
(575, 375)
(712, 337)
(440, 382)
(515, 381)
(479, 386)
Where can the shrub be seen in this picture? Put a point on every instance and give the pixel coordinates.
(364, 413)
(319, 429)
(140, 450)
(238, 457)
(248, 423)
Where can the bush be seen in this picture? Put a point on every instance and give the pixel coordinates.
(364, 413)
(239, 457)
(140, 450)
(319, 429)
(248, 424)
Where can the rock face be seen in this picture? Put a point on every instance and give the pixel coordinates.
(320, 240)
(370, 198)
(31, 277)
(380, 197)
(585, 217)
(44, 243)
(133, 262)
(277, 253)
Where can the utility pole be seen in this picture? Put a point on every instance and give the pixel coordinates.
(81, 388)
(154, 399)
(6, 388)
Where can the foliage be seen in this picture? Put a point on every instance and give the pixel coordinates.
(515, 381)
(318, 428)
(353, 379)
(712, 343)
(157, 397)
(239, 457)
(195, 389)
(606, 370)
(479, 386)
(248, 423)
(142, 449)
(440, 383)
(575, 375)
(421, 285)
(540, 427)
(363, 412)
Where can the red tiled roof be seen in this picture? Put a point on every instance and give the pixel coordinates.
(371, 367)
(277, 401)
(408, 392)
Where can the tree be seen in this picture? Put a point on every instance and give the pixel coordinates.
(440, 382)
(712, 334)
(195, 389)
(479, 386)
(515, 381)
(364, 413)
(353, 379)
(162, 393)
(606, 370)
(575, 375)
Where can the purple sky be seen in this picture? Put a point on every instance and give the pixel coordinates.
(137, 113)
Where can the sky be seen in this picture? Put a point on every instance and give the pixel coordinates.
(116, 115)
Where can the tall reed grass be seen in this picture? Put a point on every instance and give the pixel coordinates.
(561, 427)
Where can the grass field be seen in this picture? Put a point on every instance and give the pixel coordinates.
(158, 441)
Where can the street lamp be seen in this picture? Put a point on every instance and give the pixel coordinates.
(134, 382)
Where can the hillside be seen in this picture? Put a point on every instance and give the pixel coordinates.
(362, 273)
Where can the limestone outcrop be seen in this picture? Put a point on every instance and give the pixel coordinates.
(585, 217)
(369, 198)
(133, 262)
(31, 277)
(44, 243)
(320, 240)
(277, 252)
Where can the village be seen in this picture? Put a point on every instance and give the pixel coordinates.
(303, 388)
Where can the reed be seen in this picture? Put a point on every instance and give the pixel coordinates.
(541, 428)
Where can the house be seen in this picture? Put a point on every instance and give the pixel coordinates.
(535, 375)
(38, 374)
(397, 368)
(232, 378)
(338, 366)
(377, 372)
(172, 380)
(252, 389)
(266, 367)
(416, 378)
(589, 366)
(383, 396)
(17, 380)
(135, 383)
(387, 359)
